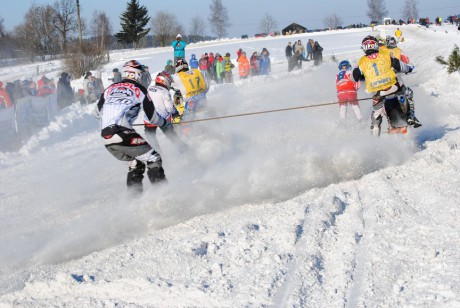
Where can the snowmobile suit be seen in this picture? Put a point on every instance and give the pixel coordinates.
(378, 70)
(194, 86)
(117, 109)
(347, 93)
(166, 110)
(397, 53)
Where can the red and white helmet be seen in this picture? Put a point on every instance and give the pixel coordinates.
(133, 70)
(164, 79)
(370, 45)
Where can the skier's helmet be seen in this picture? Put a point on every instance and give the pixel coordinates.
(391, 42)
(345, 63)
(133, 70)
(370, 45)
(181, 65)
(164, 79)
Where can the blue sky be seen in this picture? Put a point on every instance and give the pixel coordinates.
(245, 15)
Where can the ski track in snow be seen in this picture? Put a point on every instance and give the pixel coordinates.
(361, 227)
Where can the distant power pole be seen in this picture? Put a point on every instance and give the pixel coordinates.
(79, 21)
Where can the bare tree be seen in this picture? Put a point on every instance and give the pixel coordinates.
(65, 19)
(219, 18)
(268, 24)
(37, 35)
(197, 27)
(410, 10)
(333, 21)
(377, 10)
(165, 27)
(82, 58)
(101, 30)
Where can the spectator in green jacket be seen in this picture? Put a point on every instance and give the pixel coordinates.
(219, 68)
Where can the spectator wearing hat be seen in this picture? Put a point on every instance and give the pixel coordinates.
(65, 95)
(238, 53)
(288, 52)
(219, 68)
(179, 48)
(203, 64)
(45, 86)
(265, 62)
(212, 67)
(243, 66)
(90, 88)
(116, 75)
(228, 66)
(170, 68)
(255, 65)
(193, 63)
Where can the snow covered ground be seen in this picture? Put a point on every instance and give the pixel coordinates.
(283, 209)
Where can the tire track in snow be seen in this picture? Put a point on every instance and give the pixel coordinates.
(359, 270)
(319, 218)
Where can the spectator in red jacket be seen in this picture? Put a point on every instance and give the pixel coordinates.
(203, 65)
(45, 86)
(5, 100)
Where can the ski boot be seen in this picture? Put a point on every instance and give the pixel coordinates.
(155, 172)
(135, 175)
(412, 120)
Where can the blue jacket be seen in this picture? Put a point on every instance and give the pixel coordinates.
(193, 63)
(179, 48)
(265, 65)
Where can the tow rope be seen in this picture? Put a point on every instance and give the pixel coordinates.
(262, 112)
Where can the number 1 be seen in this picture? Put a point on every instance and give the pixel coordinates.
(374, 65)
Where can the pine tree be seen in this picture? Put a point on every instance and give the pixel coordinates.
(133, 21)
(453, 62)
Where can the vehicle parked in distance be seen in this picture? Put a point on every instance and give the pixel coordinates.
(261, 35)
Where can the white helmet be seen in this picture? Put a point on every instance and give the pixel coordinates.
(133, 70)
(164, 79)
(178, 36)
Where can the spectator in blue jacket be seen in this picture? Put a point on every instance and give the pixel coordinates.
(179, 48)
(310, 50)
(193, 63)
(265, 63)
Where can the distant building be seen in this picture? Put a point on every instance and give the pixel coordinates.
(293, 28)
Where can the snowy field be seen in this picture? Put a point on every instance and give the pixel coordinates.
(287, 209)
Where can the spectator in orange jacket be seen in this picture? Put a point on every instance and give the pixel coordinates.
(243, 66)
(5, 100)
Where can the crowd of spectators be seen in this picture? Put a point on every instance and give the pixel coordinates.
(11, 92)
(297, 53)
(220, 67)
